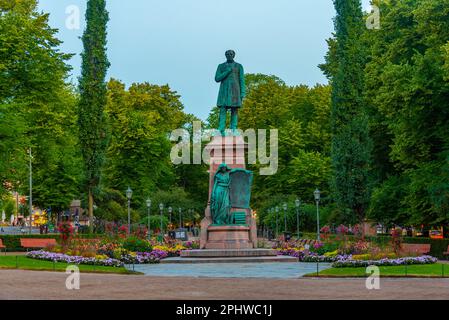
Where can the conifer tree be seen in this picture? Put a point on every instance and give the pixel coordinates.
(350, 151)
(92, 87)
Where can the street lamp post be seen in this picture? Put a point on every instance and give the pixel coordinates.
(317, 195)
(31, 191)
(149, 214)
(170, 210)
(129, 194)
(284, 206)
(277, 220)
(180, 218)
(161, 209)
(297, 204)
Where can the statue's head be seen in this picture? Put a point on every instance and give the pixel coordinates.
(230, 55)
(223, 168)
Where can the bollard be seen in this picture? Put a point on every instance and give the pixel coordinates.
(406, 270)
(442, 270)
(317, 268)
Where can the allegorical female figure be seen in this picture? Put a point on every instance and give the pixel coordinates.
(220, 203)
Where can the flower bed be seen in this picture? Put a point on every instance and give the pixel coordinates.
(60, 257)
(311, 256)
(101, 260)
(144, 257)
(115, 251)
(171, 251)
(346, 263)
(322, 258)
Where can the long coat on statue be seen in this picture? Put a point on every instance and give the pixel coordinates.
(232, 87)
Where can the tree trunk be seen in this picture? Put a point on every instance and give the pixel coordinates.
(91, 212)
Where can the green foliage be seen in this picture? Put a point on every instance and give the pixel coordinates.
(93, 136)
(328, 247)
(408, 90)
(177, 198)
(386, 199)
(302, 120)
(307, 217)
(8, 205)
(140, 120)
(56, 158)
(35, 107)
(351, 145)
(155, 221)
(111, 205)
(135, 244)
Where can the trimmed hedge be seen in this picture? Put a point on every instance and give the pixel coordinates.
(437, 246)
(12, 241)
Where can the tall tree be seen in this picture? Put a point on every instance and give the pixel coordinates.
(35, 105)
(408, 92)
(350, 150)
(93, 97)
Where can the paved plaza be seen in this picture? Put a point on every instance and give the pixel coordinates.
(21, 284)
(282, 270)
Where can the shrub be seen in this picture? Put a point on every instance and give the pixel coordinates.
(360, 247)
(331, 254)
(66, 230)
(136, 245)
(108, 248)
(360, 256)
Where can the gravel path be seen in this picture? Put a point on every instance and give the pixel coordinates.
(21, 284)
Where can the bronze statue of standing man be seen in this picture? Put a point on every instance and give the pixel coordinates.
(232, 90)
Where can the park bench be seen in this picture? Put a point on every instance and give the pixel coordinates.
(30, 243)
(446, 253)
(2, 246)
(416, 248)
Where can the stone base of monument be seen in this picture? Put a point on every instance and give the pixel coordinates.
(228, 237)
(229, 256)
(214, 253)
(236, 242)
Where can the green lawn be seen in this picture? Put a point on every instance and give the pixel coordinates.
(24, 263)
(424, 270)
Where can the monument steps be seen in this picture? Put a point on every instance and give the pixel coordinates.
(230, 259)
(223, 253)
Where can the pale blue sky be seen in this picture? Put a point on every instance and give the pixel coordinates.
(181, 42)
